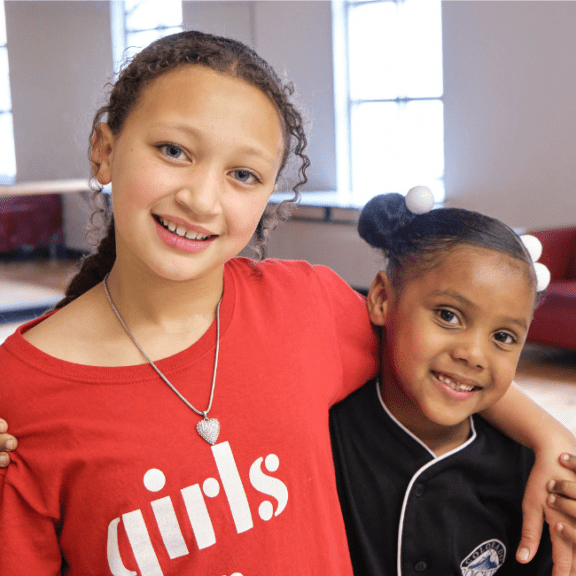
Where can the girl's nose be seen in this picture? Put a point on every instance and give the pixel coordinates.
(201, 193)
(470, 349)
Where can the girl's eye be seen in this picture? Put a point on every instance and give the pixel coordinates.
(447, 316)
(173, 151)
(245, 176)
(505, 338)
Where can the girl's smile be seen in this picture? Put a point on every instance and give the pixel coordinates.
(182, 236)
(453, 338)
(457, 384)
(192, 170)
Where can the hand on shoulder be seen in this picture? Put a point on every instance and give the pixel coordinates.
(7, 444)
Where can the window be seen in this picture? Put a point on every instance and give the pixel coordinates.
(137, 23)
(7, 154)
(388, 84)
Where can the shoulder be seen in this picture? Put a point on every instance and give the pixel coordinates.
(502, 450)
(71, 332)
(297, 285)
(276, 267)
(357, 403)
(298, 274)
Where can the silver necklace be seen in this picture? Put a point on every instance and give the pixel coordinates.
(207, 428)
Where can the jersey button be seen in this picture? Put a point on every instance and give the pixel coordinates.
(419, 490)
(420, 566)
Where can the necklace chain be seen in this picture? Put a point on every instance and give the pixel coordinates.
(204, 413)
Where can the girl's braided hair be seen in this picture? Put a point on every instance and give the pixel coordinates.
(218, 53)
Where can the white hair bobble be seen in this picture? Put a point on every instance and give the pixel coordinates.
(534, 248)
(419, 200)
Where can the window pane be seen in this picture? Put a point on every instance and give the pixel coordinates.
(147, 14)
(397, 146)
(374, 58)
(5, 103)
(7, 158)
(422, 47)
(395, 49)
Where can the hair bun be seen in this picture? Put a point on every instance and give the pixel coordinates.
(381, 218)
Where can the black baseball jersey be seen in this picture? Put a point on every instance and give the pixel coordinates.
(407, 511)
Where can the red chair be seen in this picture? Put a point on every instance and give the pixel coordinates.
(30, 222)
(554, 322)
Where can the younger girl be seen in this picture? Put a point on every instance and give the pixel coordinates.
(173, 415)
(456, 302)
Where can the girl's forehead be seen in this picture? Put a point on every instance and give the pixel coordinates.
(453, 257)
(482, 273)
(193, 83)
(468, 260)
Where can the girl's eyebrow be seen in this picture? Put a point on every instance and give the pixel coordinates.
(456, 296)
(463, 300)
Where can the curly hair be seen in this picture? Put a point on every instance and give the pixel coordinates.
(168, 53)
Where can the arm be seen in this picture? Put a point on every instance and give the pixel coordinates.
(526, 422)
(563, 498)
(29, 538)
(7, 443)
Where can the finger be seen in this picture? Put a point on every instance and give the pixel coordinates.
(8, 442)
(561, 551)
(563, 487)
(568, 461)
(532, 522)
(565, 505)
(567, 531)
(4, 459)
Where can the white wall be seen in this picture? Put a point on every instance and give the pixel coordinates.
(60, 57)
(510, 109)
(334, 244)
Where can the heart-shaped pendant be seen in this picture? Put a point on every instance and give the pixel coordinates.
(209, 429)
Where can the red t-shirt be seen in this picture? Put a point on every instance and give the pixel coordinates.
(110, 476)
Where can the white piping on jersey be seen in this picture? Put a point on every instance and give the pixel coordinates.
(435, 460)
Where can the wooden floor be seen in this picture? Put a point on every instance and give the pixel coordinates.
(31, 283)
(546, 374)
(44, 272)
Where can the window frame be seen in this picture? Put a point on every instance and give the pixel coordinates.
(121, 34)
(344, 103)
(8, 178)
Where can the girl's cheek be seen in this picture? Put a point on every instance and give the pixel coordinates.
(248, 211)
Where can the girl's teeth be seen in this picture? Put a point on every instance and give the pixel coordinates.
(453, 385)
(196, 236)
(181, 231)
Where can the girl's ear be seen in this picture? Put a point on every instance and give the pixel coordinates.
(102, 149)
(380, 296)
